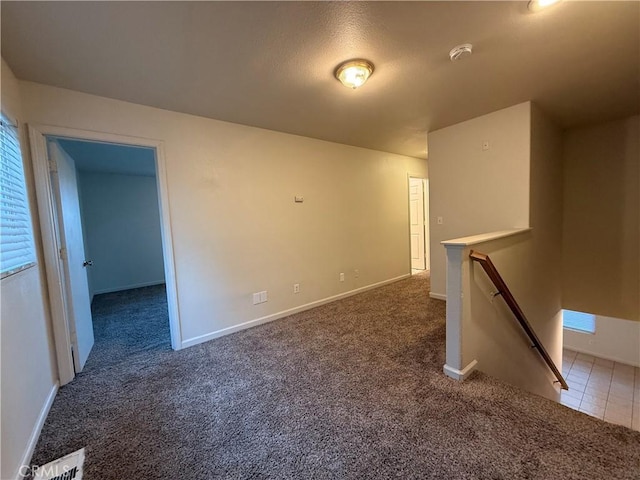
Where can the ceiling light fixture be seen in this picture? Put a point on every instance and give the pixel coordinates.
(460, 51)
(537, 5)
(354, 73)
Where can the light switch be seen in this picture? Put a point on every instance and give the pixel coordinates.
(299, 198)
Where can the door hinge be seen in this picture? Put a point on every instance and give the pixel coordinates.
(53, 166)
(63, 253)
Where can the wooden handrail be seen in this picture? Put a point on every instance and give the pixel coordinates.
(503, 290)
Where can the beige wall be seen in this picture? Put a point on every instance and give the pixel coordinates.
(601, 242)
(474, 190)
(27, 359)
(528, 262)
(236, 228)
(614, 339)
(543, 294)
(492, 335)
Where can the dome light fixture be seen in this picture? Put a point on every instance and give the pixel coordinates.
(460, 51)
(537, 5)
(354, 73)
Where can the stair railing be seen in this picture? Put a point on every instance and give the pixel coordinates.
(504, 291)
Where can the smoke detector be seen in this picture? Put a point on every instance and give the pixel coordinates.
(460, 51)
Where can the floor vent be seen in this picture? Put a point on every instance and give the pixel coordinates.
(65, 468)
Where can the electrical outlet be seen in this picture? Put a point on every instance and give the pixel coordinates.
(342, 277)
(356, 273)
(260, 297)
(296, 288)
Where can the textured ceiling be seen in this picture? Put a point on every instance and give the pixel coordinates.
(270, 64)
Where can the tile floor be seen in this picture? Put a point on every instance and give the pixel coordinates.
(602, 388)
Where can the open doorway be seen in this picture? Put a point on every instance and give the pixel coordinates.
(123, 260)
(419, 224)
(108, 251)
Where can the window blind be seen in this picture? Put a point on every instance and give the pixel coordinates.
(16, 234)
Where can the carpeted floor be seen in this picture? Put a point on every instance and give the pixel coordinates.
(128, 324)
(349, 390)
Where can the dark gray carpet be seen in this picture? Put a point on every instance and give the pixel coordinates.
(349, 390)
(127, 324)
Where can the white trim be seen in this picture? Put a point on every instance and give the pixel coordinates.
(460, 375)
(37, 428)
(128, 287)
(95, 136)
(167, 248)
(454, 308)
(21, 268)
(50, 244)
(284, 313)
(483, 237)
(615, 339)
(613, 358)
(438, 296)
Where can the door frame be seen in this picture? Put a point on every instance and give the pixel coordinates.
(55, 276)
(425, 220)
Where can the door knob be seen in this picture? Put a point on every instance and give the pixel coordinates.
(87, 263)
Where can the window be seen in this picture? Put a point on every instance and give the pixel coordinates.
(16, 234)
(579, 321)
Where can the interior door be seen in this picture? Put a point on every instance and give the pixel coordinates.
(416, 216)
(427, 233)
(72, 256)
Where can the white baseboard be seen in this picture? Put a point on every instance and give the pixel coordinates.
(615, 339)
(438, 296)
(614, 358)
(37, 428)
(275, 316)
(129, 287)
(460, 375)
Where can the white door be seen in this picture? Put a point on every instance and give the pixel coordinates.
(427, 254)
(416, 219)
(64, 182)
